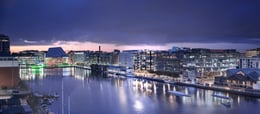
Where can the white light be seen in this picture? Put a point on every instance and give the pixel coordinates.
(138, 105)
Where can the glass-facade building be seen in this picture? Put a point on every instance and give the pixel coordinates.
(4, 45)
(210, 62)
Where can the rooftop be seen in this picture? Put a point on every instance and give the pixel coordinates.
(56, 52)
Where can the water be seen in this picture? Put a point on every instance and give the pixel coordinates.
(95, 94)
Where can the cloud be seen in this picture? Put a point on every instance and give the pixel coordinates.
(134, 22)
(76, 45)
(30, 42)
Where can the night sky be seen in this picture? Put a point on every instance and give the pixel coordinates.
(131, 24)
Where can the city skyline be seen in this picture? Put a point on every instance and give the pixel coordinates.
(132, 24)
(129, 56)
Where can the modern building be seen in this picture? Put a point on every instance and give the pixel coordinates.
(253, 52)
(253, 62)
(4, 45)
(9, 72)
(102, 58)
(145, 60)
(9, 68)
(56, 56)
(115, 57)
(209, 62)
(167, 62)
(77, 57)
(160, 62)
(126, 58)
(92, 57)
(30, 57)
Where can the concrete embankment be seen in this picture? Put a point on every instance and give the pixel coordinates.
(223, 89)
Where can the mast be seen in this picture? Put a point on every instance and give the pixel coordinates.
(68, 104)
(62, 108)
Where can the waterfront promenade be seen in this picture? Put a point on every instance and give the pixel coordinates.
(166, 79)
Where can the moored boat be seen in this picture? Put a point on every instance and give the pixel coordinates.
(178, 93)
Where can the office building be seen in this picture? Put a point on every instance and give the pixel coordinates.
(167, 62)
(253, 62)
(77, 57)
(253, 52)
(126, 58)
(9, 68)
(145, 60)
(28, 57)
(209, 62)
(4, 45)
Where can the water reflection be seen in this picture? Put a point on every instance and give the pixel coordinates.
(117, 95)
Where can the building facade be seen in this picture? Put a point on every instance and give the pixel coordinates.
(253, 62)
(4, 45)
(126, 58)
(160, 62)
(29, 57)
(77, 57)
(145, 60)
(100, 57)
(209, 62)
(243, 78)
(9, 67)
(167, 62)
(253, 52)
(56, 57)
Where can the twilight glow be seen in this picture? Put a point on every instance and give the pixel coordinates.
(131, 24)
(73, 45)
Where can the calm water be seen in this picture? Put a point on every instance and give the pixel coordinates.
(92, 94)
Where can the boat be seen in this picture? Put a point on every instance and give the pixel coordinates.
(45, 102)
(45, 107)
(131, 75)
(56, 95)
(38, 94)
(220, 96)
(226, 103)
(178, 93)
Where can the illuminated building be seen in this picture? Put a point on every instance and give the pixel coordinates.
(253, 52)
(160, 62)
(94, 57)
(246, 78)
(4, 45)
(9, 70)
(209, 62)
(115, 57)
(253, 62)
(56, 56)
(144, 60)
(77, 57)
(29, 57)
(167, 62)
(126, 58)
(102, 58)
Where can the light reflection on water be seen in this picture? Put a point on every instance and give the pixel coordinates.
(98, 94)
